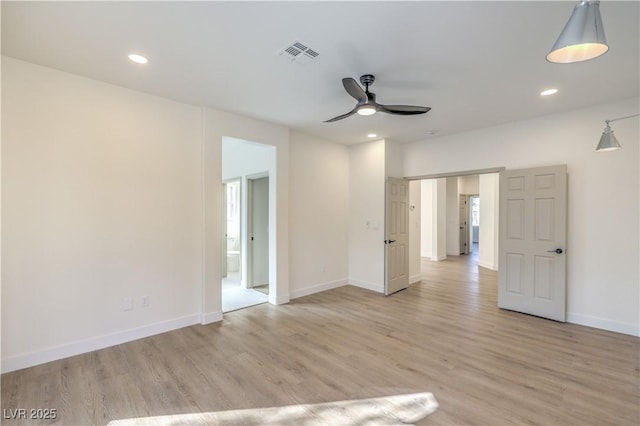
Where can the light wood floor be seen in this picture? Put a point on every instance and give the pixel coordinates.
(444, 335)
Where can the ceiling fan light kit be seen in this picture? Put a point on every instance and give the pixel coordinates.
(366, 110)
(367, 104)
(582, 37)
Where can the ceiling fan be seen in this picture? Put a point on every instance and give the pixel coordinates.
(367, 104)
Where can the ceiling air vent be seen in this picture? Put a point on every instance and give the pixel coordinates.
(298, 52)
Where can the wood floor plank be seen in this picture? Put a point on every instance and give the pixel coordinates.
(443, 335)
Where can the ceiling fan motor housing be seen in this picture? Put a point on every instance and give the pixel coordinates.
(367, 79)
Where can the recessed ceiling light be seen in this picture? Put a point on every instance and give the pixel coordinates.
(548, 92)
(372, 135)
(138, 59)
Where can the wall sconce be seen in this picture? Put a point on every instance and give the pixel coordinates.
(608, 141)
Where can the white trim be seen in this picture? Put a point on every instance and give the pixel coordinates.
(457, 174)
(453, 253)
(438, 258)
(280, 299)
(367, 285)
(83, 346)
(604, 324)
(415, 279)
(211, 317)
(487, 265)
(318, 288)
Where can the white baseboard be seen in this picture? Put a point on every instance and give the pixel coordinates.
(280, 300)
(438, 258)
(83, 346)
(453, 253)
(415, 278)
(210, 317)
(604, 324)
(367, 285)
(487, 265)
(318, 288)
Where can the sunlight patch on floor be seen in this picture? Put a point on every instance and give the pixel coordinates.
(389, 410)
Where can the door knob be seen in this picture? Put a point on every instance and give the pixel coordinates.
(557, 251)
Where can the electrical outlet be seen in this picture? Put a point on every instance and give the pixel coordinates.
(145, 301)
(127, 303)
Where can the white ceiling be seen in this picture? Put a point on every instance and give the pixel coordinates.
(476, 64)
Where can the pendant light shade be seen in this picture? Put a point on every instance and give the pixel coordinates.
(608, 141)
(582, 38)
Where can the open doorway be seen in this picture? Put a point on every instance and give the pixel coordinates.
(234, 294)
(248, 221)
(450, 218)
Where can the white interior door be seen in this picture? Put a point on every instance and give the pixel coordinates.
(397, 236)
(532, 262)
(258, 232)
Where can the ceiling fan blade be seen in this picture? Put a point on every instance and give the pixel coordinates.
(354, 89)
(340, 117)
(403, 109)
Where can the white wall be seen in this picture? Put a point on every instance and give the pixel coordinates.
(415, 231)
(426, 218)
(244, 158)
(440, 219)
(366, 216)
(453, 217)
(433, 236)
(602, 258)
(468, 184)
(393, 159)
(319, 215)
(489, 185)
(101, 200)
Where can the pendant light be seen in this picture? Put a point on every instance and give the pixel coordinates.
(583, 37)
